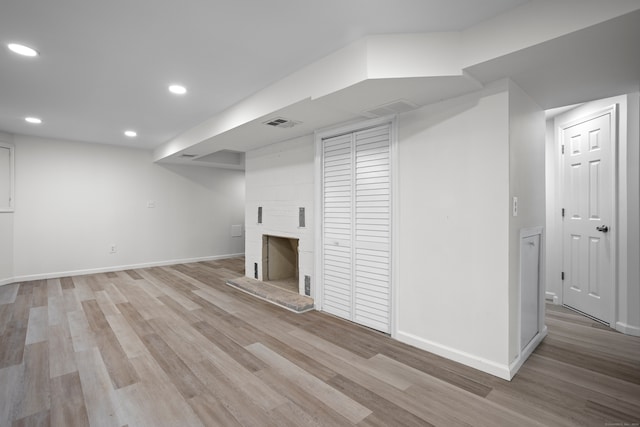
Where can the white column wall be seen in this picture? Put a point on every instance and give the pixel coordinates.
(453, 245)
(527, 183)
(74, 200)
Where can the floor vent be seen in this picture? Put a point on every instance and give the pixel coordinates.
(280, 122)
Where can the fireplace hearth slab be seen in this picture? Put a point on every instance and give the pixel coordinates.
(273, 294)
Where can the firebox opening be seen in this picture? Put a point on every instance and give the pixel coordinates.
(280, 262)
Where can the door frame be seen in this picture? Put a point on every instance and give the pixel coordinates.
(613, 200)
(319, 136)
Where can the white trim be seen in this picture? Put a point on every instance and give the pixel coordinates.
(613, 111)
(552, 297)
(524, 233)
(395, 230)
(515, 366)
(497, 369)
(7, 281)
(321, 134)
(317, 256)
(524, 353)
(42, 276)
(628, 329)
(12, 179)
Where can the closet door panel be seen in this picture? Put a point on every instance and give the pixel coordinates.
(357, 227)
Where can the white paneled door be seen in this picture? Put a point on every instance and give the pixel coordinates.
(356, 231)
(588, 216)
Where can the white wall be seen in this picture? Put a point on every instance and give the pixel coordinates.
(6, 234)
(527, 183)
(458, 164)
(74, 200)
(280, 178)
(453, 292)
(628, 235)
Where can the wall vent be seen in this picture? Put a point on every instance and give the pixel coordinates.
(301, 218)
(396, 107)
(281, 122)
(307, 285)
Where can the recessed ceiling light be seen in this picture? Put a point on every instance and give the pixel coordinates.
(178, 89)
(22, 49)
(33, 120)
(130, 133)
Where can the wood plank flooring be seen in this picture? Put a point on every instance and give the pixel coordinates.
(175, 346)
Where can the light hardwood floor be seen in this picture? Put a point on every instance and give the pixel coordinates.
(175, 346)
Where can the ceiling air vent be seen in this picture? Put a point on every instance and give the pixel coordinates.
(396, 107)
(280, 122)
(188, 156)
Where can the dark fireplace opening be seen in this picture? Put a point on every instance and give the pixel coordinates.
(280, 262)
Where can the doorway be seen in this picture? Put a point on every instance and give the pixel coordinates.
(588, 225)
(356, 207)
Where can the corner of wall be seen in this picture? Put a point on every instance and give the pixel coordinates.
(6, 231)
(632, 321)
(527, 184)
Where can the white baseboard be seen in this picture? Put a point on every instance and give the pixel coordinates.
(526, 352)
(551, 296)
(628, 329)
(488, 366)
(42, 276)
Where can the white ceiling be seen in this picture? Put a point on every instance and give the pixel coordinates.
(105, 66)
(595, 62)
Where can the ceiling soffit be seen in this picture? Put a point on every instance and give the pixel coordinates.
(419, 68)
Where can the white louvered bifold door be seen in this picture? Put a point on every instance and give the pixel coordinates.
(372, 228)
(356, 227)
(337, 225)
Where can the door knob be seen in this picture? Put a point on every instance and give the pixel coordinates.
(603, 228)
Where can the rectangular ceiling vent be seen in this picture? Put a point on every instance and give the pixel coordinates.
(396, 107)
(188, 156)
(280, 122)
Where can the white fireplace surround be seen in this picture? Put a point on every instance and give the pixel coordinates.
(270, 186)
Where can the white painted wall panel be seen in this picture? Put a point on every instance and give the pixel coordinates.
(74, 200)
(454, 228)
